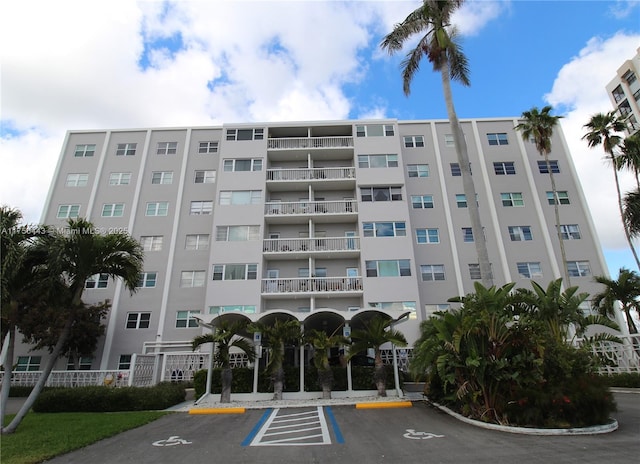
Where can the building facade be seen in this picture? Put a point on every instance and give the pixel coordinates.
(309, 218)
(624, 92)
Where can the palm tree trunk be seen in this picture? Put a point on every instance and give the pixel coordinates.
(620, 207)
(37, 389)
(556, 210)
(278, 381)
(379, 376)
(8, 372)
(227, 378)
(467, 181)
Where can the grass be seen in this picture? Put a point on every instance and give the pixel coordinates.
(43, 436)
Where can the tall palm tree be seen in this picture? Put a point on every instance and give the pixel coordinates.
(629, 156)
(376, 332)
(72, 256)
(538, 126)
(227, 335)
(625, 289)
(322, 343)
(632, 212)
(602, 129)
(441, 47)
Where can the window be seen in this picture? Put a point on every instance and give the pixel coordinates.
(511, 199)
(624, 108)
(544, 169)
(498, 139)
(247, 309)
(403, 306)
(162, 177)
(520, 233)
(77, 180)
(138, 320)
(375, 130)
(427, 236)
(418, 170)
(28, 364)
(167, 148)
(147, 280)
(570, 232)
(449, 141)
(430, 272)
(629, 76)
(205, 177)
(119, 178)
(201, 208)
(377, 161)
(158, 208)
(422, 201)
(207, 147)
(97, 281)
(461, 200)
(126, 149)
(618, 94)
(467, 234)
(455, 169)
(242, 165)
(474, 272)
(68, 211)
(502, 168)
(84, 363)
(562, 196)
(235, 271)
(197, 242)
(240, 197)
(384, 229)
(529, 270)
(151, 242)
(414, 141)
(237, 233)
(381, 193)
(245, 134)
(124, 363)
(84, 150)
(113, 210)
(185, 319)
(388, 268)
(192, 278)
(579, 268)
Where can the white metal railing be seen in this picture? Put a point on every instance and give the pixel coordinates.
(112, 377)
(163, 346)
(178, 367)
(293, 143)
(619, 358)
(302, 174)
(312, 284)
(403, 356)
(279, 208)
(289, 245)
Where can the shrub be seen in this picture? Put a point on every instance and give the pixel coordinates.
(624, 380)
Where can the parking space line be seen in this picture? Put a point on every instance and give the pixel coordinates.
(255, 429)
(295, 429)
(334, 424)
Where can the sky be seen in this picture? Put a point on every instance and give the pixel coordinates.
(75, 65)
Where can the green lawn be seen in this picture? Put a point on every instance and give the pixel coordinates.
(43, 436)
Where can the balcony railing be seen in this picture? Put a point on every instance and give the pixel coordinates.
(312, 285)
(292, 245)
(296, 175)
(278, 208)
(295, 143)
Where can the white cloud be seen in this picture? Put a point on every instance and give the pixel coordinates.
(579, 92)
(624, 8)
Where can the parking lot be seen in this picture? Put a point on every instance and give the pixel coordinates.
(343, 434)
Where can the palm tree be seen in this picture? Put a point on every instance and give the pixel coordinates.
(602, 131)
(632, 212)
(629, 157)
(440, 45)
(275, 336)
(625, 289)
(377, 331)
(538, 126)
(227, 335)
(72, 256)
(322, 343)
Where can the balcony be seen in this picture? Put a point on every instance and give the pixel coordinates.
(311, 286)
(325, 247)
(334, 178)
(296, 143)
(293, 212)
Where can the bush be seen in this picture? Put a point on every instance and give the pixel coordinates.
(624, 380)
(108, 399)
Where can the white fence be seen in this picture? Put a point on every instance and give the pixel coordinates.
(618, 358)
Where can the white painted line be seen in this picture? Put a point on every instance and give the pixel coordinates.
(303, 424)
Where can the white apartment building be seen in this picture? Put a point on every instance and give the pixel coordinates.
(323, 221)
(624, 92)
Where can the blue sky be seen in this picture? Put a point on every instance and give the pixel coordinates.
(121, 63)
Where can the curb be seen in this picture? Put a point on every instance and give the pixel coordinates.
(384, 404)
(217, 411)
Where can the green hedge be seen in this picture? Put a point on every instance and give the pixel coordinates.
(109, 399)
(626, 380)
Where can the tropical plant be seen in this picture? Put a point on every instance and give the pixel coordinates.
(602, 130)
(275, 336)
(376, 332)
(538, 126)
(226, 336)
(625, 290)
(629, 156)
(441, 46)
(632, 212)
(71, 256)
(322, 343)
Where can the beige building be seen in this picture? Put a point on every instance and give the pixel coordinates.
(312, 219)
(624, 92)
